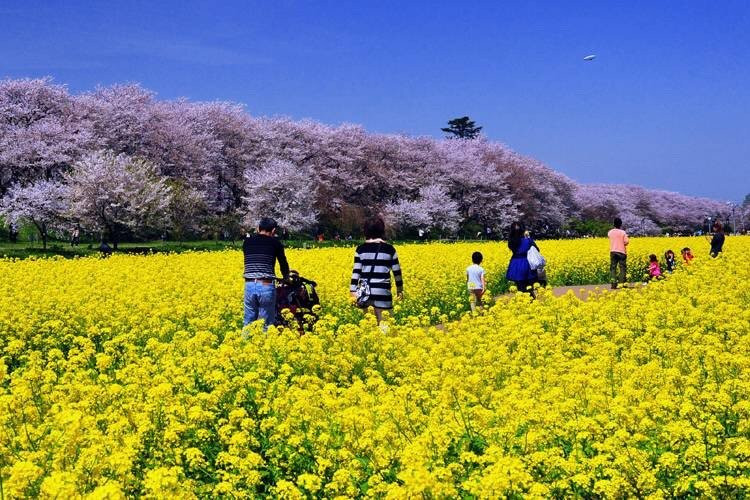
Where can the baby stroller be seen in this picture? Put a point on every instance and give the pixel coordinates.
(298, 295)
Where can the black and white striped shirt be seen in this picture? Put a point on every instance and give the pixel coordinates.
(261, 253)
(375, 261)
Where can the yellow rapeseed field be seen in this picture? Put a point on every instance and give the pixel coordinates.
(130, 376)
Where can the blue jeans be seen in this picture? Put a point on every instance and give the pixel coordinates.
(260, 303)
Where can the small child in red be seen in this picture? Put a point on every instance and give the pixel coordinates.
(687, 255)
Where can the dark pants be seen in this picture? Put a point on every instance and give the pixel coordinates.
(526, 286)
(617, 259)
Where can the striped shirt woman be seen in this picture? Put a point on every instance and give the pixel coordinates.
(374, 261)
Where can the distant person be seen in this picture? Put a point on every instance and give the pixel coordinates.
(261, 251)
(75, 237)
(105, 249)
(670, 263)
(519, 270)
(687, 255)
(654, 271)
(475, 280)
(618, 252)
(421, 234)
(13, 232)
(717, 240)
(374, 262)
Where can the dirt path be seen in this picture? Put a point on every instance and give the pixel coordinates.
(584, 291)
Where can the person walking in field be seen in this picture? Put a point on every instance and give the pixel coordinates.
(75, 237)
(374, 262)
(13, 232)
(618, 252)
(261, 252)
(519, 270)
(475, 281)
(717, 240)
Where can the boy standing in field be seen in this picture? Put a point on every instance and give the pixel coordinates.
(475, 281)
(618, 253)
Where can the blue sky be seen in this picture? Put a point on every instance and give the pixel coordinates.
(666, 103)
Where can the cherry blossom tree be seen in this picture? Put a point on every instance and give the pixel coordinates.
(188, 210)
(743, 217)
(122, 118)
(642, 210)
(332, 154)
(433, 209)
(40, 132)
(478, 186)
(215, 153)
(42, 203)
(226, 134)
(117, 194)
(543, 197)
(281, 190)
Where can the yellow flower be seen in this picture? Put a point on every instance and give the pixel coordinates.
(151, 389)
(23, 480)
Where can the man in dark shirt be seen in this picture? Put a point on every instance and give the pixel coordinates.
(717, 240)
(262, 250)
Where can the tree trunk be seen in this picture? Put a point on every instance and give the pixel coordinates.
(113, 236)
(42, 228)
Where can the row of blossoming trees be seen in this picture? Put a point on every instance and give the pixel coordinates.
(120, 163)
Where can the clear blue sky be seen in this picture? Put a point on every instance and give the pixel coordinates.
(666, 103)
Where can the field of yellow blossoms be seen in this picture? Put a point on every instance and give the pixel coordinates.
(130, 376)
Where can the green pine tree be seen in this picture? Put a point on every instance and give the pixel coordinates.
(462, 128)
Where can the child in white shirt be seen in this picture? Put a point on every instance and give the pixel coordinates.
(475, 281)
